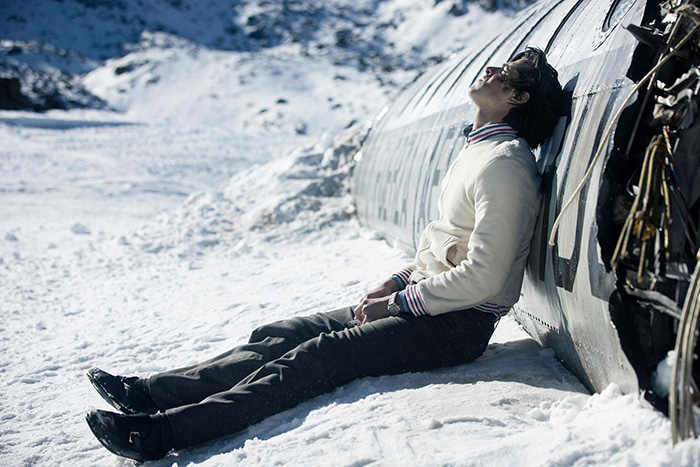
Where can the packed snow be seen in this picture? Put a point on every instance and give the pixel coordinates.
(211, 195)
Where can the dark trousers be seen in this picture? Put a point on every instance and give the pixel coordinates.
(290, 361)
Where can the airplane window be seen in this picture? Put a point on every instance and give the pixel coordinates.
(617, 11)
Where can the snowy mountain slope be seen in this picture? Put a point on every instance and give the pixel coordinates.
(370, 28)
(277, 92)
(43, 44)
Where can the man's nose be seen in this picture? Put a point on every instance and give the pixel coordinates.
(492, 70)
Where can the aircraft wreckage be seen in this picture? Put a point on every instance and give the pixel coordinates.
(612, 283)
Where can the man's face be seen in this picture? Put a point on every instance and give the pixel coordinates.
(492, 91)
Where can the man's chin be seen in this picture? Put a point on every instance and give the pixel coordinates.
(478, 84)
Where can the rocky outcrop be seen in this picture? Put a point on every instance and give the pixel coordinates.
(11, 96)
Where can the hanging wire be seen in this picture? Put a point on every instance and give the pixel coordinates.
(632, 223)
(664, 130)
(671, 53)
(651, 212)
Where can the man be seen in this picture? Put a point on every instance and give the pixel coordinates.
(439, 311)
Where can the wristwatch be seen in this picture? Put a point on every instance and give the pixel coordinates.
(394, 306)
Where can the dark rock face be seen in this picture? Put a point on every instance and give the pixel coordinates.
(11, 97)
(39, 76)
(35, 90)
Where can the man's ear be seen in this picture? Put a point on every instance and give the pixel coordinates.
(519, 98)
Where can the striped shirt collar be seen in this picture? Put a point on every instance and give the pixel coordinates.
(489, 131)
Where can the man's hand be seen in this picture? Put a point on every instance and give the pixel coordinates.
(385, 289)
(371, 309)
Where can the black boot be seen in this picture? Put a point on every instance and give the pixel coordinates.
(122, 393)
(139, 437)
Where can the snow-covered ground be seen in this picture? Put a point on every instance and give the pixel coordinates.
(212, 199)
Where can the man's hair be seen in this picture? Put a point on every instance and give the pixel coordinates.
(535, 120)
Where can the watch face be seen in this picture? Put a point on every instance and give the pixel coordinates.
(393, 308)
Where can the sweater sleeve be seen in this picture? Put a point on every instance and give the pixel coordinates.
(402, 277)
(506, 201)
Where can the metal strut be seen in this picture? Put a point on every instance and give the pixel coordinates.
(683, 395)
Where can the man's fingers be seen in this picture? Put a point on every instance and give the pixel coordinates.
(370, 309)
(360, 309)
(359, 313)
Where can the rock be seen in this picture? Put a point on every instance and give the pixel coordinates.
(343, 38)
(300, 128)
(11, 97)
(80, 229)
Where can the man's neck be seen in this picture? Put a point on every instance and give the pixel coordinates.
(481, 118)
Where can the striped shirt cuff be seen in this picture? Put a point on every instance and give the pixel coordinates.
(401, 278)
(412, 301)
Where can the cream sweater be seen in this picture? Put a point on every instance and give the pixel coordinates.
(474, 254)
